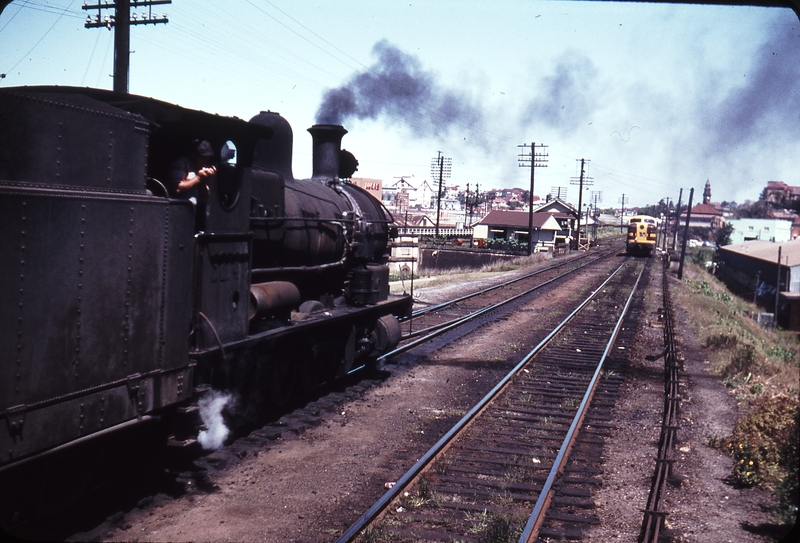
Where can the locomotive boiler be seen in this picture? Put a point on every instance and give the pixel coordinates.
(122, 300)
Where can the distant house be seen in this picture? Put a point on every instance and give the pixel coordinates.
(704, 216)
(565, 214)
(779, 193)
(752, 268)
(513, 225)
(775, 230)
(787, 215)
(408, 193)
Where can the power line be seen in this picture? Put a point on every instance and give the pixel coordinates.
(44, 8)
(89, 63)
(61, 15)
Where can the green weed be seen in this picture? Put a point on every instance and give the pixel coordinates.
(764, 445)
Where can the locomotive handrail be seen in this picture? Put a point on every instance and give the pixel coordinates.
(224, 236)
(86, 391)
(259, 220)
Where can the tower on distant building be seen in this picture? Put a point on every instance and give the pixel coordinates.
(707, 193)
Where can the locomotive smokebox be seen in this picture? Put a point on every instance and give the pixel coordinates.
(327, 149)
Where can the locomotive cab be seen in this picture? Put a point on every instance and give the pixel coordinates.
(126, 301)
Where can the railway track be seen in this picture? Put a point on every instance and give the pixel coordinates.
(654, 515)
(432, 321)
(523, 461)
(191, 471)
(428, 319)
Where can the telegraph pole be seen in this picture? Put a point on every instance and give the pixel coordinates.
(677, 220)
(466, 205)
(440, 166)
(665, 234)
(623, 201)
(532, 160)
(581, 181)
(685, 233)
(121, 21)
(777, 291)
(559, 193)
(597, 197)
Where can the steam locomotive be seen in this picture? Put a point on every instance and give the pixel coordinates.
(121, 301)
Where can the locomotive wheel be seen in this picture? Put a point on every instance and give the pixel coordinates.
(348, 356)
(310, 371)
(282, 376)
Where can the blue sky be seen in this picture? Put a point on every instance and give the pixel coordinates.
(656, 97)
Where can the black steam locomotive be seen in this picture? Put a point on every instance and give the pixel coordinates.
(121, 299)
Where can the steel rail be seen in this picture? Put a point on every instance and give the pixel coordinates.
(654, 517)
(465, 318)
(442, 305)
(446, 327)
(531, 531)
(378, 507)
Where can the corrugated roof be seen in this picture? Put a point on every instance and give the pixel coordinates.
(703, 209)
(515, 219)
(768, 251)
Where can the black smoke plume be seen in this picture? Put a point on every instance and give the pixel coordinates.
(396, 87)
(767, 105)
(567, 98)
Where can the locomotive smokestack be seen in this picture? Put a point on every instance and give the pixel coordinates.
(327, 146)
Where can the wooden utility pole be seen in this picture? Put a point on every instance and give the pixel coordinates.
(623, 201)
(581, 181)
(685, 233)
(121, 22)
(777, 289)
(440, 167)
(597, 197)
(677, 220)
(532, 160)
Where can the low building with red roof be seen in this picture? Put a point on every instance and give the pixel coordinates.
(704, 216)
(513, 226)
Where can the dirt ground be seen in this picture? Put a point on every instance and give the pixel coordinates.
(703, 508)
(309, 487)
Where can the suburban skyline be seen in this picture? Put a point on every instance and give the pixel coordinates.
(656, 97)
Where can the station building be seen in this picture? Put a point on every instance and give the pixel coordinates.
(513, 225)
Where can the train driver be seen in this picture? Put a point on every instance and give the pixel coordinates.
(188, 174)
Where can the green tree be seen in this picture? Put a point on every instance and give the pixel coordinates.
(755, 210)
(723, 235)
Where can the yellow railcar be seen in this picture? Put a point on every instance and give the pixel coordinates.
(642, 234)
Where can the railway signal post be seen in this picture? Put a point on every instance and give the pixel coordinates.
(581, 181)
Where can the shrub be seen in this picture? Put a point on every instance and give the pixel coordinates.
(782, 353)
(764, 446)
(743, 361)
(721, 341)
(704, 287)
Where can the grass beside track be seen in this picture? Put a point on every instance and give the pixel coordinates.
(434, 278)
(761, 366)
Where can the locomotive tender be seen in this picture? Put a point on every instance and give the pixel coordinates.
(642, 235)
(120, 301)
